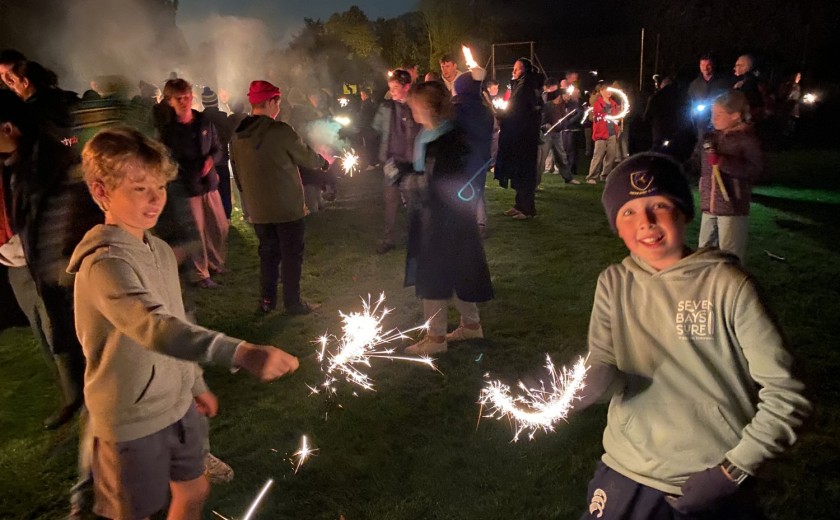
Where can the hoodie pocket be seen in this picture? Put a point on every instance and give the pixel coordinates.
(146, 388)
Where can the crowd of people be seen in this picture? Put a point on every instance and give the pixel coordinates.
(99, 236)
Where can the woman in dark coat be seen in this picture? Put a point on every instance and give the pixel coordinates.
(519, 140)
(445, 258)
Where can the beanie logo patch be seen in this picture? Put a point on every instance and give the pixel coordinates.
(640, 183)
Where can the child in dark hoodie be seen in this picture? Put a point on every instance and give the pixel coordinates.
(143, 386)
(703, 388)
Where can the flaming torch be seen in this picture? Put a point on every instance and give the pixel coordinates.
(535, 408)
(471, 64)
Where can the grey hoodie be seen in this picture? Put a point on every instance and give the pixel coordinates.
(141, 373)
(706, 374)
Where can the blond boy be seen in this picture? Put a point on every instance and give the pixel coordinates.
(143, 386)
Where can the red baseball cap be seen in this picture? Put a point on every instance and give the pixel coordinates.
(260, 91)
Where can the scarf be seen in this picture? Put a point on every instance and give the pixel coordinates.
(425, 137)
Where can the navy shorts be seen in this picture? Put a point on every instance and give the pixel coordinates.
(612, 496)
(131, 479)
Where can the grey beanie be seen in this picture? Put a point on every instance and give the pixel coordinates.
(645, 175)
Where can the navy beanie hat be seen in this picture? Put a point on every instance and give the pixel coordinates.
(645, 175)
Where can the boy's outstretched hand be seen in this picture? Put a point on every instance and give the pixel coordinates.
(265, 362)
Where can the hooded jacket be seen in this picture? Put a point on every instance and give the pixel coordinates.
(741, 165)
(706, 374)
(141, 351)
(265, 155)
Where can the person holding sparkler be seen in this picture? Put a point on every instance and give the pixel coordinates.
(703, 388)
(445, 258)
(144, 389)
(605, 135)
(732, 162)
(397, 130)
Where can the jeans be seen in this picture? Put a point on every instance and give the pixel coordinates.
(281, 256)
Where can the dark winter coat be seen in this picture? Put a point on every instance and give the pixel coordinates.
(445, 255)
(519, 134)
(204, 142)
(224, 129)
(741, 165)
(476, 120)
(51, 210)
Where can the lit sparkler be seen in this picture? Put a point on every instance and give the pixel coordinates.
(536, 408)
(593, 72)
(625, 105)
(570, 90)
(342, 120)
(302, 454)
(809, 98)
(349, 162)
(471, 64)
(343, 102)
(363, 336)
(500, 104)
(250, 513)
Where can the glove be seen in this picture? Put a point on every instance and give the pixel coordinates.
(703, 491)
(713, 158)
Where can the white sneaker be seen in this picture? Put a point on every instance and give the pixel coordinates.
(463, 333)
(427, 347)
(217, 471)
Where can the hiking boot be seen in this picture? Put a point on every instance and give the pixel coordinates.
(301, 308)
(63, 415)
(217, 472)
(208, 283)
(463, 333)
(427, 347)
(384, 247)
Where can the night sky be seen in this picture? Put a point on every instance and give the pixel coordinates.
(285, 17)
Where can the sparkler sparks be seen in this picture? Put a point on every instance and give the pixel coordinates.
(625, 105)
(809, 98)
(349, 162)
(468, 57)
(363, 336)
(342, 120)
(250, 513)
(302, 454)
(500, 104)
(343, 102)
(535, 409)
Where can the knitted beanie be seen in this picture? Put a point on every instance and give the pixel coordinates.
(646, 175)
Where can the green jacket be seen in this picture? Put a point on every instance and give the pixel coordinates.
(705, 371)
(265, 155)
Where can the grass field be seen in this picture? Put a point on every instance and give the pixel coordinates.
(413, 449)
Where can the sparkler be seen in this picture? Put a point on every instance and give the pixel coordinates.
(536, 408)
(349, 162)
(471, 64)
(625, 105)
(500, 104)
(570, 90)
(303, 454)
(342, 120)
(363, 336)
(256, 502)
(343, 102)
(809, 99)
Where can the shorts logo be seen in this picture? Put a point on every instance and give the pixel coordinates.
(640, 182)
(599, 503)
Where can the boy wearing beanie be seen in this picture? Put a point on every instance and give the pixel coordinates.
(703, 393)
